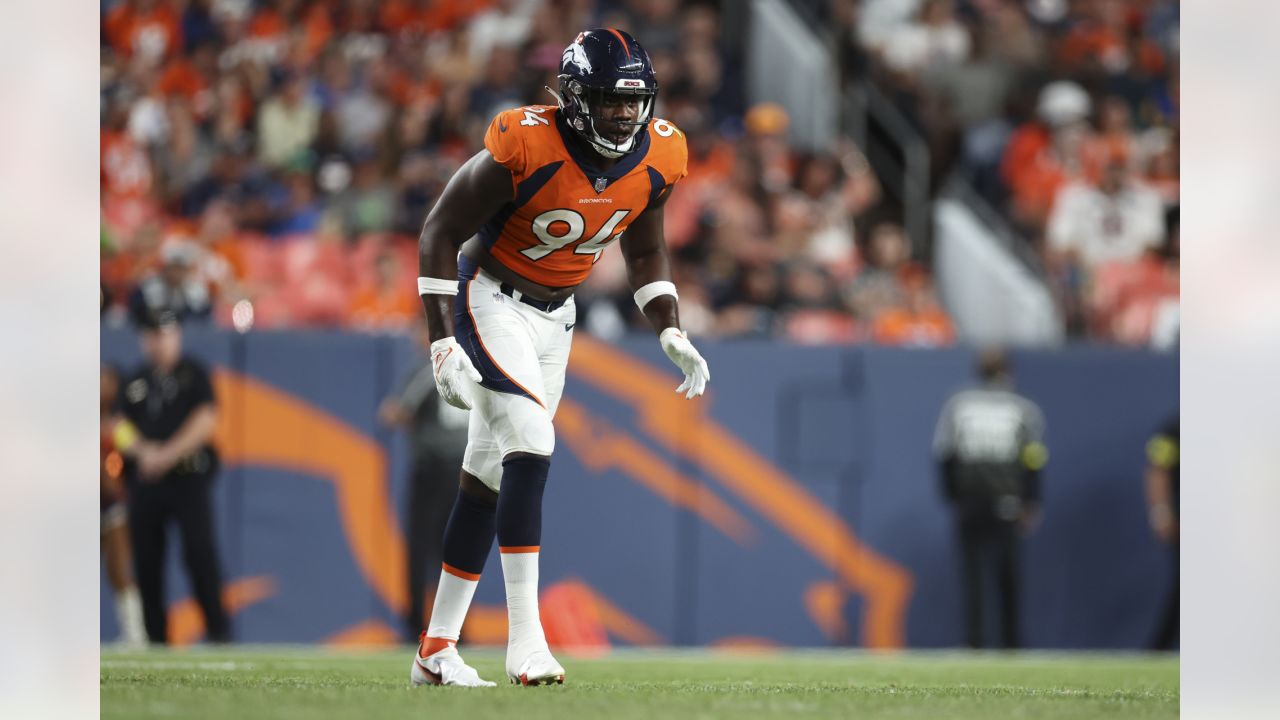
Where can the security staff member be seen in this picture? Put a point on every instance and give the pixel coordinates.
(438, 438)
(1162, 512)
(168, 420)
(989, 450)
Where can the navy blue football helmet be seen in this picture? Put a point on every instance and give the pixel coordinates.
(602, 66)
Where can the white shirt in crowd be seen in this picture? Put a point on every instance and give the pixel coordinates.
(1105, 228)
(916, 46)
(284, 130)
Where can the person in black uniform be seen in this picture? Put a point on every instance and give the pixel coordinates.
(988, 446)
(438, 437)
(1162, 513)
(168, 421)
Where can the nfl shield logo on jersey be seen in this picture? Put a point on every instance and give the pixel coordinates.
(601, 184)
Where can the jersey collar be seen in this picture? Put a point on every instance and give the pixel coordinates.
(586, 162)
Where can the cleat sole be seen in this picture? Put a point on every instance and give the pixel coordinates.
(548, 680)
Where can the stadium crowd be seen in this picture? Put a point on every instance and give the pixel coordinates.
(268, 163)
(271, 162)
(1064, 115)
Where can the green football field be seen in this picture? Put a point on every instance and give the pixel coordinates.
(315, 684)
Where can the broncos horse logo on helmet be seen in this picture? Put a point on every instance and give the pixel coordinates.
(606, 66)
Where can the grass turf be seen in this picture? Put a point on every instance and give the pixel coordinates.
(316, 684)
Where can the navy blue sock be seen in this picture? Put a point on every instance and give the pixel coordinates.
(520, 501)
(469, 534)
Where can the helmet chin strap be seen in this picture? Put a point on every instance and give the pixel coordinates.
(614, 150)
(602, 146)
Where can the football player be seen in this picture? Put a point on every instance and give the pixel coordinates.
(520, 225)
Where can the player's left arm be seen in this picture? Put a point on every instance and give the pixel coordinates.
(645, 250)
(649, 271)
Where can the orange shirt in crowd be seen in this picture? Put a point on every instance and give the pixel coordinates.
(180, 77)
(155, 32)
(427, 16)
(714, 166)
(383, 307)
(1092, 41)
(707, 174)
(899, 326)
(120, 271)
(1033, 174)
(317, 27)
(408, 91)
(123, 167)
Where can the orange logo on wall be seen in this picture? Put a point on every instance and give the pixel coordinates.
(260, 424)
(682, 428)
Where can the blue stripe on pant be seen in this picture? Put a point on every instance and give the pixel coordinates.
(468, 336)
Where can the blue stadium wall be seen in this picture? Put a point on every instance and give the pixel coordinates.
(797, 505)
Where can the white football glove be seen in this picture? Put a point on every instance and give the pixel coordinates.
(677, 347)
(455, 376)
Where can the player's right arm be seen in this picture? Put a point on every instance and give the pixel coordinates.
(473, 195)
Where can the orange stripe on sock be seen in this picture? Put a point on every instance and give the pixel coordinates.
(432, 645)
(460, 573)
(519, 549)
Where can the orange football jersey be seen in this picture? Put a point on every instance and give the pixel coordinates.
(566, 211)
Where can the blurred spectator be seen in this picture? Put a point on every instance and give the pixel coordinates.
(756, 299)
(1162, 169)
(1117, 220)
(831, 193)
(1043, 155)
(878, 286)
(934, 39)
(287, 122)
(505, 24)
(919, 321)
(498, 87)
(1113, 223)
(437, 434)
(1115, 139)
(989, 452)
(1103, 44)
(363, 112)
(143, 30)
(186, 158)
(175, 287)
(880, 19)
(1136, 302)
(299, 212)
(220, 264)
(1163, 513)
(369, 204)
(123, 164)
(231, 177)
(389, 302)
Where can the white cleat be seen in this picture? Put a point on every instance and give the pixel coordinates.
(445, 667)
(535, 668)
